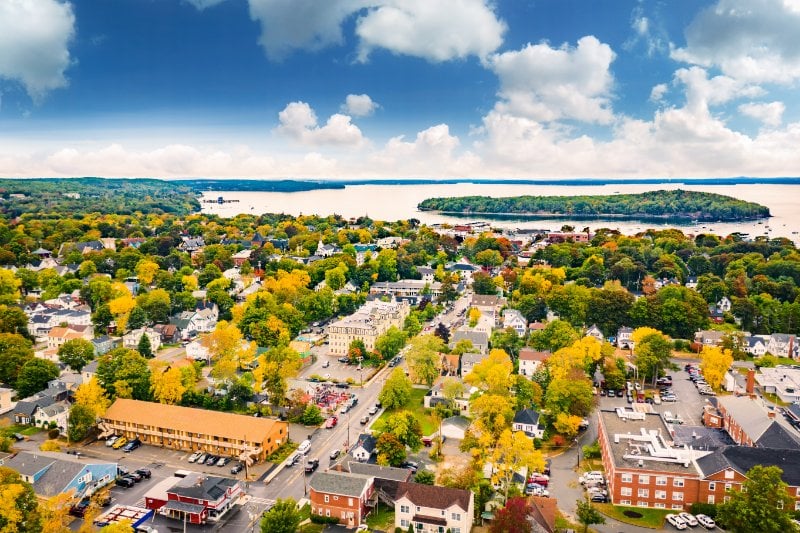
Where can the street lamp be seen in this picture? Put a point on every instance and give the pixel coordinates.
(578, 452)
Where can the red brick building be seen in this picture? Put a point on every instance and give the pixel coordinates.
(348, 497)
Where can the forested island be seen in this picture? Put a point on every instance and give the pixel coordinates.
(673, 205)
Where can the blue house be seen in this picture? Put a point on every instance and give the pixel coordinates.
(53, 473)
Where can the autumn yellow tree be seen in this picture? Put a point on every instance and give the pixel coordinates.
(55, 512)
(166, 382)
(146, 270)
(494, 412)
(512, 452)
(567, 425)
(226, 343)
(121, 304)
(715, 362)
(189, 282)
(92, 395)
(492, 374)
(123, 526)
(474, 315)
(577, 356)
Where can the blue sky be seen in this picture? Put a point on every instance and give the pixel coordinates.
(399, 88)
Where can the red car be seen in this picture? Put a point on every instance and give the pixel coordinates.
(331, 422)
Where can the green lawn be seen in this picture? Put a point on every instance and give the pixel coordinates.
(382, 519)
(25, 430)
(651, 518)
(414, 405)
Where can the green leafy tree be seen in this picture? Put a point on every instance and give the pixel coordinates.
(651, 353)
(482, 283)
(588, 515)
(405, 426)
(81, 419)
(124, 373)
(390, 343)
(411, 325)
(13, 320)
(144, 347)
(391, 451)
(424, 477)
(763, 504)
(423, 358)
(15, 351)
(396, 391)
(76, 353)
(555, 335)
(284, 517)
(312, 415)
(573, 396)
(356, 351)
(34, 375)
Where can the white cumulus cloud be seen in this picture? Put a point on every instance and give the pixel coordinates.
(359, 105)
(203, 4)
(658, 91)
(770, 113)
(434, 30)
(298, 121)
(34, 43)
(546, 84)
(749, 40)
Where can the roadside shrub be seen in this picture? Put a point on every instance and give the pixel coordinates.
(592, 451)
(53, 433)
(317, 519)
(5, 444)
(558, 441)
(682, 345)
(708, 509)
(50, 446)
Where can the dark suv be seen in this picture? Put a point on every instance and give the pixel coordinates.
(312, 465)
(125, 482)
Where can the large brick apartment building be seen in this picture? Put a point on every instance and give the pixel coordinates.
(647, 465)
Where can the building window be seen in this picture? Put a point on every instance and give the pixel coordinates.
(642, 504)
(780, 504)
(627, 478)
(677, 496)
(644, 493)
(327, 512)
(455, 530)
(661, 495)
(677, 482)
(661, 481)
(660, 505)
(404, 523)
(417, 508)
(404, 509)
(728, 487)
(711, 499)
(677, 506)
(443, 512)
(797, 506)
(729, 474)
(725, 499)
(626, 491)
(625, 502)
(644, 480)
(712, 486)
(456, 517)
(327, 498)
(349, 502)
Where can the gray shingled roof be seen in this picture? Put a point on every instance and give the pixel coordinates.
(377, 471)
(202, 487)
(743, 458)
(526, 416)
(340, 483)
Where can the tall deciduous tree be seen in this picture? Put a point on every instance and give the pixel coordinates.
(423, 358)
(492, 374)
(34, 375)
(124, 373)
(92, 396)
(588, 515)
(76, 353)
(16, 350)
(166, 384)
(763, 504)
(715, 362)
(13, 320)
(406, 428)
(282, 518)
(651, 352)
(390, 343)
(512, 452)
(391, 451)
(513, 518)
(19, 511)
(81, 419)
(396, 391)
(9, 287)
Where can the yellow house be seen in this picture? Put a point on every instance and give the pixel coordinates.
(191, 429)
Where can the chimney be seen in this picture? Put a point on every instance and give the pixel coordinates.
(751, 381)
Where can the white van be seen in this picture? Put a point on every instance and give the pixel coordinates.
(304, 447)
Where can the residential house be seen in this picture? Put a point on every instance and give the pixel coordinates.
(469, 360)
(783, 345)
(512, 318)
(533, 327)
(375, 471)
(104, 344)
(241, 257)
(53, 473)
(530, 360)
(543, 516)
(624, 338)
(750, 422)
(53, 415)
(464, 270)
(451, 363)
(436, 394)
(528, 421)
(433, 509)
(195, 350)
(132, 338)
(25, 409)
(6, 403)
(205, 317)
(191, 244)
(169, 333)
(345, 496)
(197, 498)
(190, 429)
(427, 274)
(724, 304)
(691, 282)
(709, 337)
(389, 242)
(756, 346)
(89, 371)
(783, 381)
(479, 339)
(59, 335)
(595, 332)
(327, 250)
(364, 448)
(488, 304)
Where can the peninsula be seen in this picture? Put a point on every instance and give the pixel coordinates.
(673, 205)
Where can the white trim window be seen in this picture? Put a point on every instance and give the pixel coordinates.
(644, 480)
(677, 506)
(644, 493)
(711, 499)
(660, 505)
(678, 482)
(661, 481)
(661, 495)
(627, 478)
(677, 496)
(626, 491)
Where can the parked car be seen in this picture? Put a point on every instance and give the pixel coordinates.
(373, 410)
(296, 458)
(223, 461)
(690, 520)
(79, 509)
(411, 465)
(364, 420)
(312, 465)
(119, 443)
(111, 440)
(212, 460)
(598, 498)
(202, 459)
(343, 385)
(344, 409)
(132, 445)
(620, 393)
(706, 521)
(331, 422)
(334, 454)
(326, 364)
(344, 360)
(676, 521)
(238, 467)
(194, 457)
(135, 476)
(125, 482)
(144, 472)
